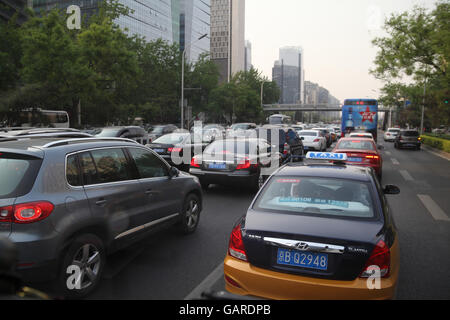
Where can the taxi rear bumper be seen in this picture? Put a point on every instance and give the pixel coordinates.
(241, 278)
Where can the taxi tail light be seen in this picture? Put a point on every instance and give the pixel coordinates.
(236, 246)
(316, 140)
(381, 258)
(26, 212)
(194, 163)
(373, 159)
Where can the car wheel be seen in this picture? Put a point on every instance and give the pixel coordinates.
(82, 267)
(191, 214)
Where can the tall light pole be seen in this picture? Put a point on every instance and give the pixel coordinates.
(182, 77)
(423, 106)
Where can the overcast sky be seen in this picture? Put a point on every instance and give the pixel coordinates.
(335, 36)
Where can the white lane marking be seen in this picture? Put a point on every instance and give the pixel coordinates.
(395, 161)
(434, 209)
(405, 174)
(388, 153)
(207, 283)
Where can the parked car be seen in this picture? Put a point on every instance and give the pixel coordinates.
(326, 133)
(234, 161)
(129, 132)
(312, 140)
(408, 139)
(179, 147)
(361, 152)
(316, 231)
(391, 134)
(241, 130)
(66, 204)
(160, 130)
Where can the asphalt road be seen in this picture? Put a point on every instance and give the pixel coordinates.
(171, 266)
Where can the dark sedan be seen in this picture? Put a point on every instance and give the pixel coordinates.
(319, 231)
(238, 161)
(179, 148)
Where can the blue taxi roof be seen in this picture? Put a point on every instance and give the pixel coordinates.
(326, 170)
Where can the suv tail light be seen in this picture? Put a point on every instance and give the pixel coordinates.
(236, 246)
(194, 163)
(380, 257)
(26, 212)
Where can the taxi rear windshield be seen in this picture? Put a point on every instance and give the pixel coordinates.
(18, 173)
(317, 197)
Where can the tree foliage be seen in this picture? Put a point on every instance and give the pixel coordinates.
(416, 54)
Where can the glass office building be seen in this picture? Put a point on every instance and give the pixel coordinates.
(195, 21)
(175, 21)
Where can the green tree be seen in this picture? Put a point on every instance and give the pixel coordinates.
(417, 49)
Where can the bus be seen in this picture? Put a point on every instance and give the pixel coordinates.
(278, 119)
(360, 115)
(43, 118)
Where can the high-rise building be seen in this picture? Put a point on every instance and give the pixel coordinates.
(195, 21)
(9, 7)
(175, 21)
(248, 55)
(288, 73)
(228, 36)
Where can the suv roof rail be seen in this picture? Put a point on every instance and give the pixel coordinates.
(76, 140)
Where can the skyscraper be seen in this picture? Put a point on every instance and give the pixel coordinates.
(288, 73)
(228, 36)
(248, 55)
(175, 21)
(195, 21)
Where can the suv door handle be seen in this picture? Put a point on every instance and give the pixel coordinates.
(101, 203)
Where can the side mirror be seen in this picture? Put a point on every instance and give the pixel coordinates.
(173, 172)
(303, 138)
(391, 189)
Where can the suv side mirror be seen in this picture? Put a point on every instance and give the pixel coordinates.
(173, 172)
(391, 189)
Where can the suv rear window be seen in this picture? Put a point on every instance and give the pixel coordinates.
(18, 173)
(317, 197)
(409, 133)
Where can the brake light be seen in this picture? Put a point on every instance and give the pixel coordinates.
(244, 164)
(236, 246)
(373, 157)
(173, 150)
(381, 258)
(194, 163)
(32, 212)
(26, 212)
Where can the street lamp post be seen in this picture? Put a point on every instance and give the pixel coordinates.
(182, 78)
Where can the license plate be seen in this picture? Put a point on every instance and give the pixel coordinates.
(311, 260)
(159, 150)
(354, 159)
(219, 166)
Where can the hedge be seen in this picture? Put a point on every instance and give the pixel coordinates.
(438, 143)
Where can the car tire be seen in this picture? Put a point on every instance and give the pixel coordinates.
(87, 252)
(190, 216)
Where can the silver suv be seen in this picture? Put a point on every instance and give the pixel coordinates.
(66, 204)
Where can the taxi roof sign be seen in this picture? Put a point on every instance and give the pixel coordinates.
(326, 156)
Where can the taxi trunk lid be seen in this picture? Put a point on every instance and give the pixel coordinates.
(346, 243)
